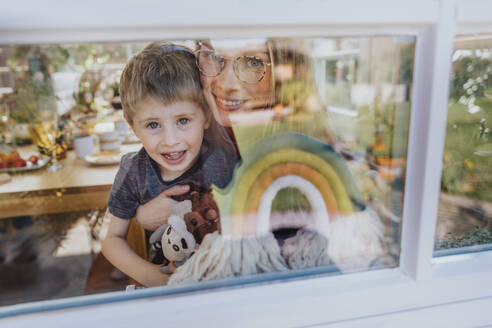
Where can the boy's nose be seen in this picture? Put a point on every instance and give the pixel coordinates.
(170, 137)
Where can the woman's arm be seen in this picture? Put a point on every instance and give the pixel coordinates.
(116, 249)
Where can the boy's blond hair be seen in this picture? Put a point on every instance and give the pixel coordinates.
(164, 72)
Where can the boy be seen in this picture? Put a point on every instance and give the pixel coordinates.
(183, 147)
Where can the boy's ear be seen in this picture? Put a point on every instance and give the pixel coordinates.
(132, 127)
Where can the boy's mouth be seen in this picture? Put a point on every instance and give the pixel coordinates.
(174, 157)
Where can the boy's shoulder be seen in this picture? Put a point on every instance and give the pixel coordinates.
(133, 160)
(218, 166)
(134, 165)
(132, 171)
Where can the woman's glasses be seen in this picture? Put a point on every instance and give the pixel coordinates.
(248, 69)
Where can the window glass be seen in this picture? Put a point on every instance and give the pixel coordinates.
(465, 204)
(294, 151)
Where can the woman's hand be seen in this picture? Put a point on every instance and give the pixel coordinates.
(154, 213)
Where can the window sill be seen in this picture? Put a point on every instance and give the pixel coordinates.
(326, 299)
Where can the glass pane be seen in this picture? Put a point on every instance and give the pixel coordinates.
(465, 206)
(293, 152)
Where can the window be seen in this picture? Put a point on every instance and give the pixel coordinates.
(306, 174)
(464, 206)
(453, 290)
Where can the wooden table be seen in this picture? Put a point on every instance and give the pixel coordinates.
(78, 186)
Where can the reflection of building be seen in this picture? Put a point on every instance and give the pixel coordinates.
(6, 78)
(354, 72)
(365, 94)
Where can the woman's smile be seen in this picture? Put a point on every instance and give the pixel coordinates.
(229, 105)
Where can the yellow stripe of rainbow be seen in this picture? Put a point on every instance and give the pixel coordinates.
(288, 161)
(285, 169)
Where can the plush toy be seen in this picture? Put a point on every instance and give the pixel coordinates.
(204, 217)
(175, 241)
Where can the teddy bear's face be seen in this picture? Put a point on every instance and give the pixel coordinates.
(174, 246)
(199, 226)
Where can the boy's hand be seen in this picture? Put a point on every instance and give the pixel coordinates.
(154, 213)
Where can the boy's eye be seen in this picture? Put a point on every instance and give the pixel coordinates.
(183, 121)
(152, 125)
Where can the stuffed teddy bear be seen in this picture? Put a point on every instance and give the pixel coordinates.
(173, 239)
(204, 217)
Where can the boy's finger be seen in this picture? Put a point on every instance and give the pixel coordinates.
(176, 190)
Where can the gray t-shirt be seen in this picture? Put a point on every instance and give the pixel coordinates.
(139, 180)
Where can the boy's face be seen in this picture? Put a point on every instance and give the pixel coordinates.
(171, 134)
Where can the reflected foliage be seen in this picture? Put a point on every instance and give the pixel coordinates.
(479, 236)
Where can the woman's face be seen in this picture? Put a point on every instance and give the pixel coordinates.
(226, 93)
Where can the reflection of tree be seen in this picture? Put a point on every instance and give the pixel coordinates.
(467, 157)
(294, 94)
(32, 67)
(407, 57)
(390, 141)
(388, 138)
(471, 77)
(468, 150)
(294, 79)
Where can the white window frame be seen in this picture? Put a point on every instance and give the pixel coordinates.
(453, 291)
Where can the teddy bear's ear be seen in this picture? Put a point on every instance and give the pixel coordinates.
(157, 235)
(195, 200)
(177, 223)
(211, 215)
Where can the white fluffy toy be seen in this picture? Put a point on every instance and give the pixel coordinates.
(175, 241)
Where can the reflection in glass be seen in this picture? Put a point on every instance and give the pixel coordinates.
(465, 207)
(321, 126)
(249, 69)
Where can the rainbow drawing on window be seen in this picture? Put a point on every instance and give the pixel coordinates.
(294, 160)
(345, 233)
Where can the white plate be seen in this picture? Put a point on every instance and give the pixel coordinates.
(104, 158)
(42, 161)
